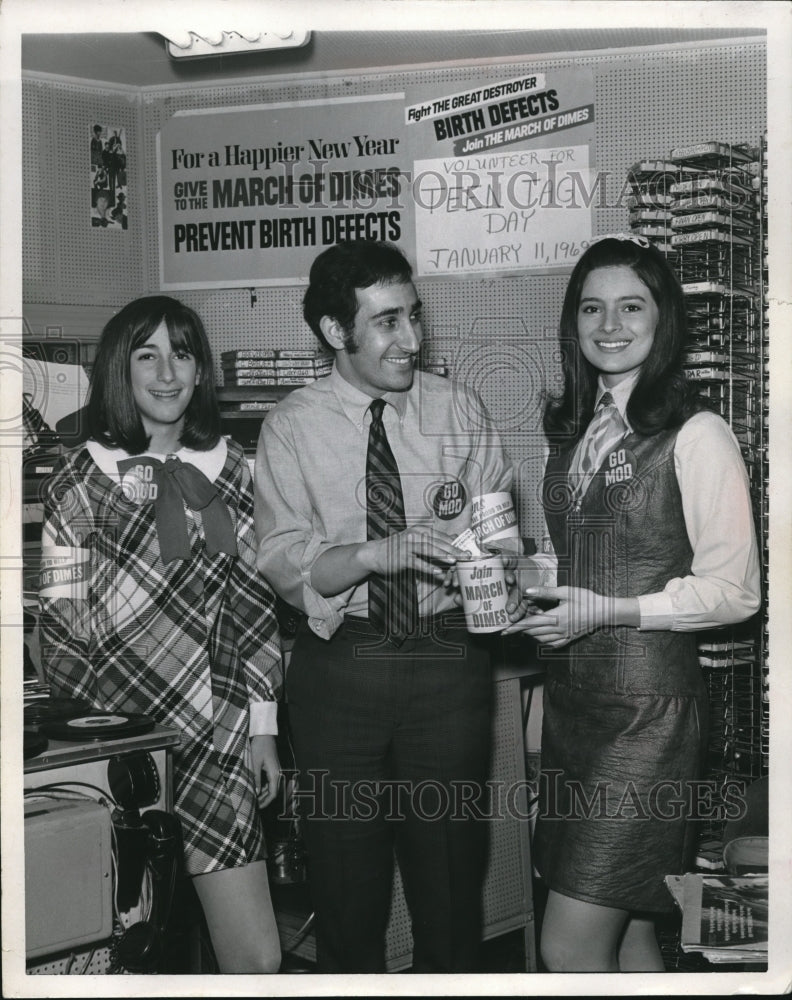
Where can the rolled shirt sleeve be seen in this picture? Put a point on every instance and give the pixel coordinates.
(289, 540)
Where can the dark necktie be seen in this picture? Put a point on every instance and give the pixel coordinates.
(602, 435)
(393, 600)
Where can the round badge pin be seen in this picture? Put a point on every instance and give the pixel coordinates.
(449, 500)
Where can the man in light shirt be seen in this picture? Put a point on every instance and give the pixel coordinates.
(398, 722)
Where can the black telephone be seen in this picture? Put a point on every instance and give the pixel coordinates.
(145, 841)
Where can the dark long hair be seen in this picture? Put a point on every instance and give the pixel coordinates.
(338, 271)
(113, 417)
(661, 397)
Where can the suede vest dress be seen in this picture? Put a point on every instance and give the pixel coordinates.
(624, 710)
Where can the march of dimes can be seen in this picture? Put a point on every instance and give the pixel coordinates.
(482, 583)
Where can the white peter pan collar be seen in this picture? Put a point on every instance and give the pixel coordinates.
(209, 462)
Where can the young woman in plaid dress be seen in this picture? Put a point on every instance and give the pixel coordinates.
(165, 614)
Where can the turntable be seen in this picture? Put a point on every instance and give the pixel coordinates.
(96, 726)
(66, 740)
(41, 710)
(73, 720)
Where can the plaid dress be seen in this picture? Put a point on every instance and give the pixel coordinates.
(191, 643)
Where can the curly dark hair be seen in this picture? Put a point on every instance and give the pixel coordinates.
(338, 271)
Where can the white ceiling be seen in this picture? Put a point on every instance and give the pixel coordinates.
(141, 58)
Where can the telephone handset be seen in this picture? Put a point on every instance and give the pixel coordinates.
(147, 842)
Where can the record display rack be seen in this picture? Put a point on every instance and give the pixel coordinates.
(764, 512)
(705, 208)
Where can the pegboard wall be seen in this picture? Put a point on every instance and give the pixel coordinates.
(65, 259)
(497, 333)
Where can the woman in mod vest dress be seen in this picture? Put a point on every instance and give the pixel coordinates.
(647, 506)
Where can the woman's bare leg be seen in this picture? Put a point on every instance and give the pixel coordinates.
(238, 910)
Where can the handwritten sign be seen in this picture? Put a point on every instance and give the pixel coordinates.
(500, 212)
(512, 186)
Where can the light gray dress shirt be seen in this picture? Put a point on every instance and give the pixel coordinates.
(310, 480)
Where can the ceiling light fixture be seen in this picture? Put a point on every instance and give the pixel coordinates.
(192, 44)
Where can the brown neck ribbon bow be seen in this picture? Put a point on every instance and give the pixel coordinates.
(171, 484)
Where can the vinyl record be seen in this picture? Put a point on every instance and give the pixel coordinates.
(97, 726)
(34, 744)
(50, 709)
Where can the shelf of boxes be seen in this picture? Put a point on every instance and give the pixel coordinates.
(256, 380)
